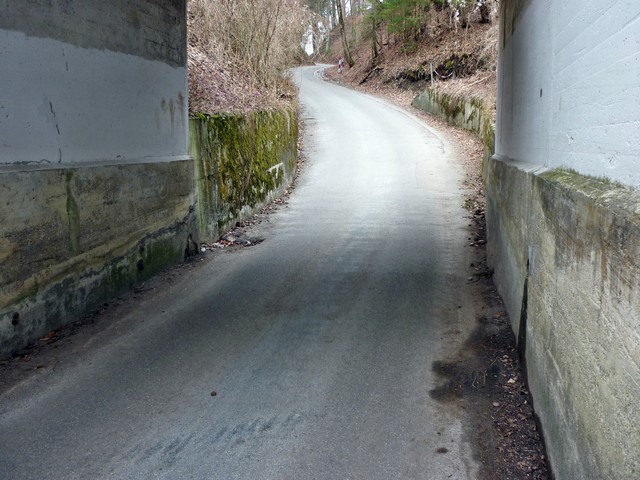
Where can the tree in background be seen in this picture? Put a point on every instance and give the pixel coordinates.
(322, 8)
(345, 43)
(463, 10)
(321, 24)
(405, 18)
(333, 13)
(372, 22)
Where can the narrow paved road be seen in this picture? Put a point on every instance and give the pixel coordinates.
(319, 342)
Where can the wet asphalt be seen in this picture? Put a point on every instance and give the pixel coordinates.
(308, 356)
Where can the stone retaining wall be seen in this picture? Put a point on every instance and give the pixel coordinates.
(241, 163)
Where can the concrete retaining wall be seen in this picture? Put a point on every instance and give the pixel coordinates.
(73, 237)
(241, 163)
(472, 114)
(573, 243)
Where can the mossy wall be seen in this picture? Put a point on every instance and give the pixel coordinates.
(472, 114)
(242, 161)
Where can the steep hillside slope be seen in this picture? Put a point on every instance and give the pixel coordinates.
(464, 60)
(244, 73)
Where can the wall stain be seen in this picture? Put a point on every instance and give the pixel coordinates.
(511, 12)
(73, 213)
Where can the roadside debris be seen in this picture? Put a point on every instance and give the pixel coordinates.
(228, 240)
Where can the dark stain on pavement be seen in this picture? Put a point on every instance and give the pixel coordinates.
(487, 379)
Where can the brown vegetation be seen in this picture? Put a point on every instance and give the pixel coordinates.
(464, 59)
(238, 52)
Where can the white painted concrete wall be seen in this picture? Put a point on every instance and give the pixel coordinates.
(64, 104)
(84, 82)
(569, 87)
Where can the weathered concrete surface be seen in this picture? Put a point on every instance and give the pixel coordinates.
(242, 162)
(472, 114)
(573, 243)
(73, 237)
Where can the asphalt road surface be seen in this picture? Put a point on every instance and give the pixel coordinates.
(318, 343)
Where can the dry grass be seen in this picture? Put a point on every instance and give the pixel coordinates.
(238, 51)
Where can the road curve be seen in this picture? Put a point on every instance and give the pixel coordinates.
(308, 356)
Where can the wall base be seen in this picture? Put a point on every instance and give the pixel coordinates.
(575, 241)
(75, 236)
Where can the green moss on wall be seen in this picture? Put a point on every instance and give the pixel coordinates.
(585, 183)
(451, 106)
(157, 255)
(472, 114)
(241, 161)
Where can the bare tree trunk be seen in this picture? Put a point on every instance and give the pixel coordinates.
(334, 13)
(345, 44)
(374, 36)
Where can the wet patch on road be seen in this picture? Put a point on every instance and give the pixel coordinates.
(485, 377)
(460, 381)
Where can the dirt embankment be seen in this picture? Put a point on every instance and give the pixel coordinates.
(463, 59)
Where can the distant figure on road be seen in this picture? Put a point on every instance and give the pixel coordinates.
(340, 65)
